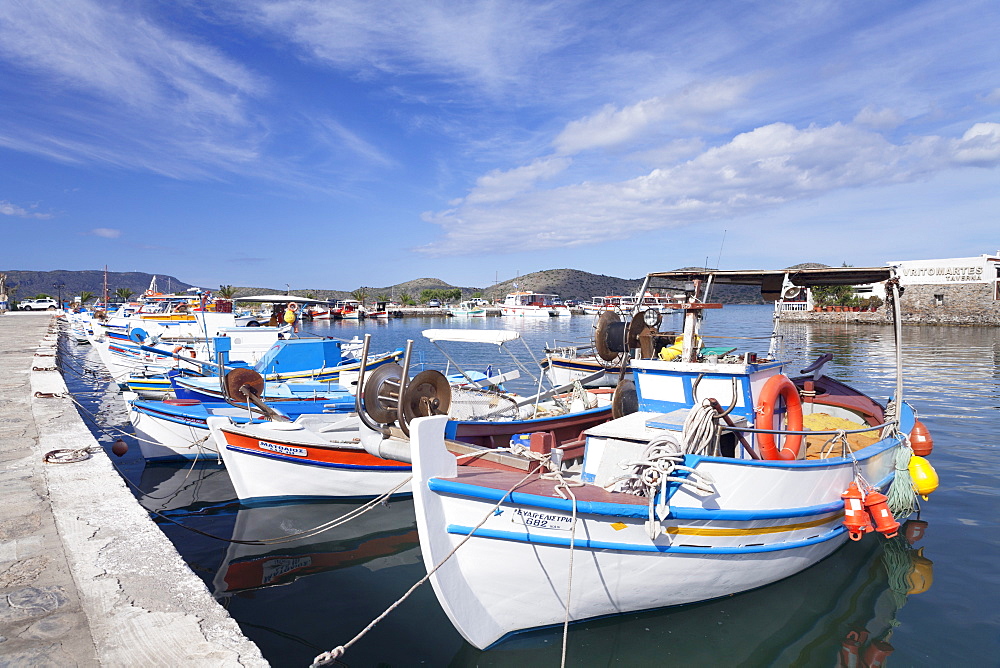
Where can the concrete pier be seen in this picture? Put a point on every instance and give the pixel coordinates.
(86, 578)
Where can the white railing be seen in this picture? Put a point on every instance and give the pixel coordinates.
(792, 306)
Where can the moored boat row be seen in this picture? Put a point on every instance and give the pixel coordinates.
(706, 471)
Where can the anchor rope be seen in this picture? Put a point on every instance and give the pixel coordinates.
(701, 430)
(661, 462)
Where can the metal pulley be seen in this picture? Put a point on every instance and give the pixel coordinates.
(428, 393)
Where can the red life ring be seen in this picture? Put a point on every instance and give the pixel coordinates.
(780, 386)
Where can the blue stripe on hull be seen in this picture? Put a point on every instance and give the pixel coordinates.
(594, 545)
(451, 487)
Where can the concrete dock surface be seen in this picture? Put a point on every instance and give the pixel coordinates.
(86, 577)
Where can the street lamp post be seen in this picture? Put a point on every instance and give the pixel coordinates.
(59, 287)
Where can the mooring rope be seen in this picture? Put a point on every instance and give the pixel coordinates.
(334, 654)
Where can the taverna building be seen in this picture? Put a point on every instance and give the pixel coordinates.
(948, 291)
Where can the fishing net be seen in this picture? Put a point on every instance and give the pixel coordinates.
(481, 405)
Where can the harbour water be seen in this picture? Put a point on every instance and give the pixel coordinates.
(930, 604)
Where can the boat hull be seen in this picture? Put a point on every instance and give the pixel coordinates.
(766, 521)
(266, 463)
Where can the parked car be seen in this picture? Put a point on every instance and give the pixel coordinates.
(38, 305)
(434, 303)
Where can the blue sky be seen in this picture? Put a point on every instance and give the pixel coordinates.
(341, 143)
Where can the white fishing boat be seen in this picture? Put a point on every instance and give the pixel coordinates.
(366, 454)
(531, 305)
(729, 475)
(468, 309)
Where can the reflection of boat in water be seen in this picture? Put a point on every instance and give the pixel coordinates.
(331, 585)
(837, 613)
(376, 539)
(180, 485)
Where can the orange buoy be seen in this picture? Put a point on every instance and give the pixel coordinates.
(780, 386)
(878, 507)
(855, 515)
(920, 439)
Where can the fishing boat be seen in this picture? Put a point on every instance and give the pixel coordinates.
(177, 428)
(468, 309)
(301, 367)
(720, 473)
(328, 456)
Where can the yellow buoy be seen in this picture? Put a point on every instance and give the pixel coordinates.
(925, 478)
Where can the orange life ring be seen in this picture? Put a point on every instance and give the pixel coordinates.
(780, 386)
(177, 349)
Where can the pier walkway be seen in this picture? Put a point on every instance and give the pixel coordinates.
(86, 578)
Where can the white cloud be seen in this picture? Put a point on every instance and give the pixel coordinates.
(612, 126)
(498, 185)
(979, 146)
(106, 232)
(756, 170)
(8, 209)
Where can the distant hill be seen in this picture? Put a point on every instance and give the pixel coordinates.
(567, 283)
(25, 284)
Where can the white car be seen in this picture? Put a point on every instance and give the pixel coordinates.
(38, 305)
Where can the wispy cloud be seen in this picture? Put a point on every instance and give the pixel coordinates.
(110, 85)
(487, 45)
(8, 209)
(754, 171)
(106, 232)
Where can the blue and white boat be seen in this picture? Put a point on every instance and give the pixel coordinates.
(293, 370)
(175, 429)
(727, 477)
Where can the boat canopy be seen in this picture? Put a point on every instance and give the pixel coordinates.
(277, 299)
(805, 278)
(494, 336)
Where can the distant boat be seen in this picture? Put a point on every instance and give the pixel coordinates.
(532, 305)
(468, 310)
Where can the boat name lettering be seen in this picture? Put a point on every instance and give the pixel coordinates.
(273, 569)
(533, 518)
(283, 449)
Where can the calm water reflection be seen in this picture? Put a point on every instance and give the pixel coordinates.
(299, 598)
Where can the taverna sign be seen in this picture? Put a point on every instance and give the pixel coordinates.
(953, 270)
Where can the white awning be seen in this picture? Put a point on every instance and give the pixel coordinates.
(494, 336)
